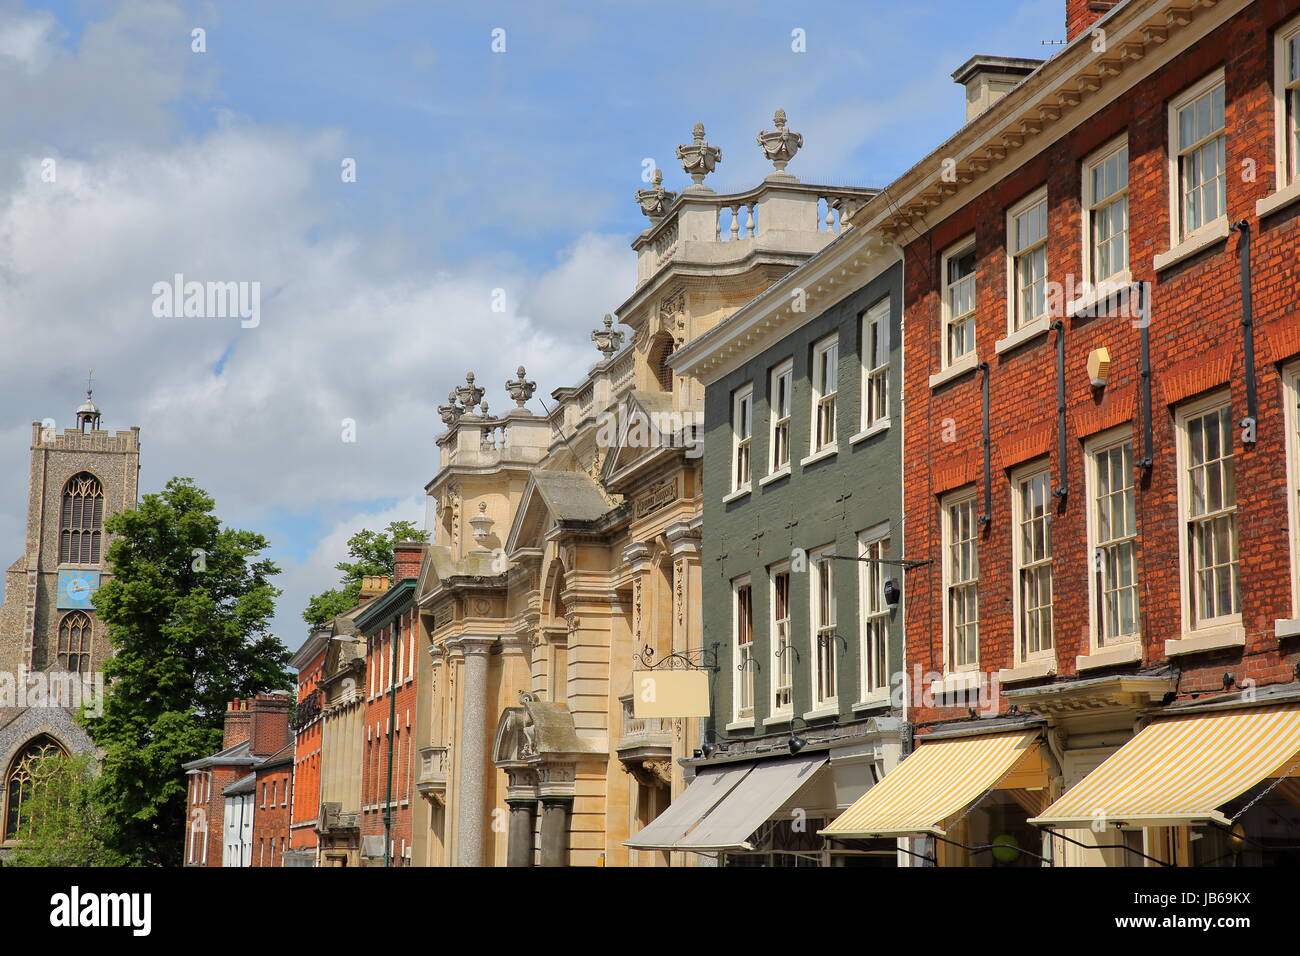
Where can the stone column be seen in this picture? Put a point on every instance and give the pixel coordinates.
(473, 747)
(519, 851)
(555, 830)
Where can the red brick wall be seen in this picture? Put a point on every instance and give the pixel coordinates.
(237, 725)
(1196, 342)
(206, 811)
(306, 767)
(1081, 14)
(374, 784)
(271, 815)
(407, 556)
(269, 727)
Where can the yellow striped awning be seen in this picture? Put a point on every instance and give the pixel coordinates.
(1180, 770)
(935, 781)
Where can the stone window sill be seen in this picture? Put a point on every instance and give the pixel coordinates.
(1286, 627)
(1018, 338)
(777, 719)
(953, 683)
(1278, 200)
(871, 703)
(876, 429)
(1211, 639)
(1117, 287)
(1201, 239)
(1030, 670)
(1129, 652)
(745, 724)
(957, 369)
(735, 495)
(782, 472)
(830, 451)
(829, 709)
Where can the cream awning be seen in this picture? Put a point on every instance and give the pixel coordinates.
(1180, 770)
(938, 779)
(724, 805)
(703, 793)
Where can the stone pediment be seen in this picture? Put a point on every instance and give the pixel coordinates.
(536, 731)
(1122, 693)
(551, 497)
(646, 423)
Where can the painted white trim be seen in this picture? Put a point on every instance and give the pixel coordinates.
(960, 496)
(877, 313)
(868, 540)
(742, 405)
(959, 248)
(830, 451)
(1202, 86)
(1211, 628)
(1030, 332)
(738, 676)
(1035, 198)
(1278, 200)
(876, 429)
(1127, 653)
(1032, 662)
(815, 570)
(778, 371)
(1291, 420)
(967, 363)
(817, 393)
(1092, 447)
(1090, 162)
(779, 714)
(1286, 166)
(782, 472)
(1201, 239)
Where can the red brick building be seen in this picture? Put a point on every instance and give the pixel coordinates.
(388, 626)
(1101, 455)
(255, 730)
(273, 793)
(307, 727)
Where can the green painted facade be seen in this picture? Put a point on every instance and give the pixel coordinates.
(829, 501)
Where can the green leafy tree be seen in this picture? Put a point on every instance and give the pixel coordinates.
(187, 611)
(372, 554)
(64, 823)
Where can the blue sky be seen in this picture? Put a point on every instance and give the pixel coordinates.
(475, 170)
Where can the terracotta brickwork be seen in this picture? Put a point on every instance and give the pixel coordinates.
(1196, 348)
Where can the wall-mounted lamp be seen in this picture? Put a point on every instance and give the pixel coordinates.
(892, 594)
(1099, 367)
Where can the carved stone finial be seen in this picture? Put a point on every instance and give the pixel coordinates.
(780, 145)
(451, 412)
(482, 526)
(699, 158)
(520, 389)
(608, 341)
(655, 201)
(469, 394)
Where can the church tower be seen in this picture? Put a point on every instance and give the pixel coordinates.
(48, 626)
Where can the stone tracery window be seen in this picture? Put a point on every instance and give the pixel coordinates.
(26, 774)
(81, 520)
(75, 632)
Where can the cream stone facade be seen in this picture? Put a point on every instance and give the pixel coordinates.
(566, 552)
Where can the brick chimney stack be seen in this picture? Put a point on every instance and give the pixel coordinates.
(269, 726)
(1080, 15)
(407, 557)
(372, 585)
(238, 724)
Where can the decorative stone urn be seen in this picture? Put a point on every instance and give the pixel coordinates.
(699, 158)
(654, 202)
(451, 412)
(482, 526)
(780, 145)
(469, 394)
(608, 340)
(520, 389)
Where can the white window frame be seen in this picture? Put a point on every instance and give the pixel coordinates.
(1291, 409)
(1193, 623)
(782, 684)
(742, 438)
(957, 251)
(874, 615)
(1092, 205)
(967, 499)
(1286, 95)
(1015, 322)
(875, 362)
(743, 663)
(822, 398)
(1178, 231)
(776, 421)
(1039, 474)
(1094, 449)
(823, 634)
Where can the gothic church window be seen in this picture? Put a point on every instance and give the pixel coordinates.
(74, 642)
(81, 520)
(25, 777)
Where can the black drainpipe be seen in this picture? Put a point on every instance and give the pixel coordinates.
(987, 516)
(1062, 467)
(1247, 335)
(1144, 326)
